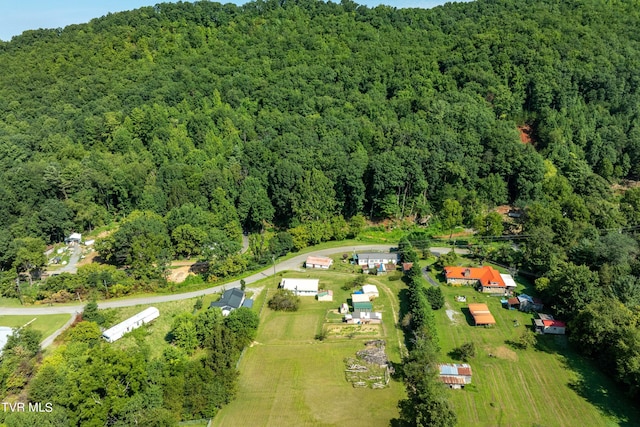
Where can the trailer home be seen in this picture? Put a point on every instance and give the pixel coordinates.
(116, 332)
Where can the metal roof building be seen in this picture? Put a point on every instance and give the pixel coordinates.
(134, 322)
(301, 287)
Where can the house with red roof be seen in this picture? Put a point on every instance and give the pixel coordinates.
(487, 279)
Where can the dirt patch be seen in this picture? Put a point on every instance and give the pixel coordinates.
(89, 258)
(525, 134)
(625, 185)
(503, 352)
(179, 275)
(466, 232)
(452, 315)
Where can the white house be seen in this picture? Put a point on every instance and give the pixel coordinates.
(371, 291)
(116, 332)
(301, 287)
(318, 262)
(363, 317)
(5, 333)
(375, 259)
(73, 239)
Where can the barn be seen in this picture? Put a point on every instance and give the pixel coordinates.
(116, 332)
(455, 375)
(481, 314)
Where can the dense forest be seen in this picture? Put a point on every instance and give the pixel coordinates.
(188, 124)
(90, 382)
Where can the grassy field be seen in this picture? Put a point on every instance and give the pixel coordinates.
(47, 324)
(544, 386)
(288, 378)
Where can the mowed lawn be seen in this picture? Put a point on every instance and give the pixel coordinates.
(544, 386)
(288, 378)
(47, 324)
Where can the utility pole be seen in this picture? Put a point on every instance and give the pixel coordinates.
(273, 259)
(18, 289)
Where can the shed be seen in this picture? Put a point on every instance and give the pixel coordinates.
(344, 308)
(301, 287)
(145, 316)
(74, 238)
(363, 306)
(325, 295)
(528, 303)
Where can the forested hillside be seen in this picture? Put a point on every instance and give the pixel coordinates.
(190, 123)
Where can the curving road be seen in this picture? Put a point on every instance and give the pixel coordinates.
(290, 264)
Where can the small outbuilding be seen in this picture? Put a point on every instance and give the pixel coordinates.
(528, 303)
(145, 316)
(318, 262)
(325, 295)
(513, 303)
(301, 287)
(406, 267)
(73, 239)
(344, 308)
(455, 375)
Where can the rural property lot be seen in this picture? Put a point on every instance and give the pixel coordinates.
(287, 378)
(546, 386)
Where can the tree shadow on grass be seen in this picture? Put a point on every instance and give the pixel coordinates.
(403, 298)
(591, 383)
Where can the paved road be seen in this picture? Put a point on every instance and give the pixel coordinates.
(290, 264)
(49, 340)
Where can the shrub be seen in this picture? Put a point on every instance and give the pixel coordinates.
(284, 300)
